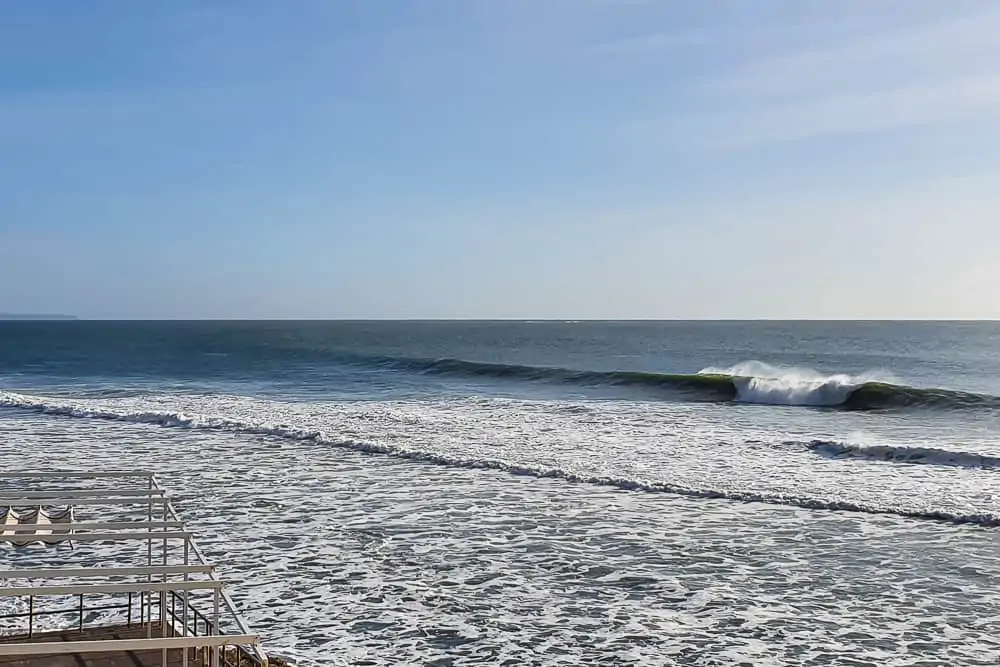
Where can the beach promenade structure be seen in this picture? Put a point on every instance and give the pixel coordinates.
(97, 569)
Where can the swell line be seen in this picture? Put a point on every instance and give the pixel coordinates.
(749, 382)
(708, 386)
(214, 423)
(910, 455)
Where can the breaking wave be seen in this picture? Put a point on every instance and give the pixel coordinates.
(914, 455)
(169, 419)
(749, 382)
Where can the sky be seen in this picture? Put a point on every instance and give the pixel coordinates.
(500, 159)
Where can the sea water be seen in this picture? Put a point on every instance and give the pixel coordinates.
(555, 493)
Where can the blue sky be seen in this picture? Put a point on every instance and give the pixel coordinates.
(500, 158)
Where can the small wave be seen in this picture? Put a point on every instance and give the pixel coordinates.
(216, 423)
(914, 455)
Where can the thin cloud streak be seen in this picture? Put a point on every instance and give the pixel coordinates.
(966, 99)
(904, 78)
(939, 50)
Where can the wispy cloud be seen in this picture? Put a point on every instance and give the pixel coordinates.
(942, 73)
(650, 42)
(926, 52)
(972, 98)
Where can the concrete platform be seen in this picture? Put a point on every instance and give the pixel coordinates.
(108, 659)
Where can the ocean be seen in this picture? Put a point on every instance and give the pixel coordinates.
(555, 493)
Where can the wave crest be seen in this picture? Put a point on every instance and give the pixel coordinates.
(757, 382)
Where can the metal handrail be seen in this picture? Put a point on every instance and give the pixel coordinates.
(17, 497)
(157, 496)
(50, 501)
(197, 617)
(89, 525)
(80, 610)
(97, 572)
(132, 587)
(243, 656)
(77, 474)
(32, 614)
(98, 537)
(126, 645)
(227, 601)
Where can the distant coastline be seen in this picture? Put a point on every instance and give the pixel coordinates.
(44, 317)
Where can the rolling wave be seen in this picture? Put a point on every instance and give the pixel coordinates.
(750, 382)
(169, 419)
(913, 455)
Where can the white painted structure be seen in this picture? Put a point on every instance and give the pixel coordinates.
(173, 571)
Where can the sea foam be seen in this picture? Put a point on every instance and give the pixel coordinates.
(192, 420)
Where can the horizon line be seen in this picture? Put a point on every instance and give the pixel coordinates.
(564, 320)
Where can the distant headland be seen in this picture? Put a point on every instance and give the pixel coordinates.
(36, 317)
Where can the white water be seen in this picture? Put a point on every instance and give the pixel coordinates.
(394, 532)
(757, 382)
(696, 457)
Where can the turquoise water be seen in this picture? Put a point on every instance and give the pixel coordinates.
(689, 493)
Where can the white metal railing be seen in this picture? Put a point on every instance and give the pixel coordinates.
(159, 529)
(104, 645)
(76, 502)
(11, 536)
(78, 474)
(230, 606)
(8, 497)
(94, 525)
(93, 589)
(93, 572)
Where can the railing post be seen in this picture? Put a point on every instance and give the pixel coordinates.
(163, 594)
(215, 624)
(149, 614)
(31, 616)
(184, 609)
(128, 622)
(149, 558)
(81, 612)
(163, 622)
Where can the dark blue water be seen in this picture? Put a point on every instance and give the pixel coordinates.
(366, 358)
